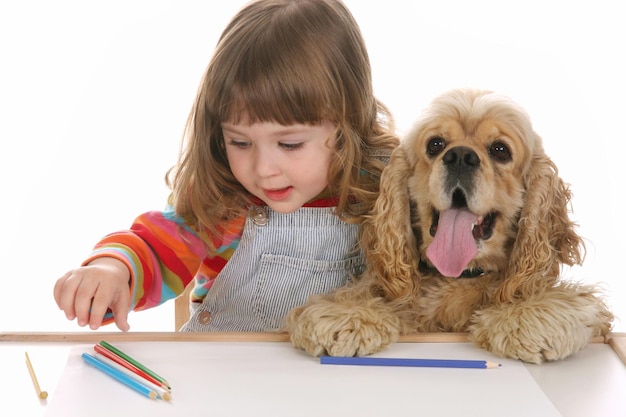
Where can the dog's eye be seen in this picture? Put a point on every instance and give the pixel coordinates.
(435, 146)
(500, 151)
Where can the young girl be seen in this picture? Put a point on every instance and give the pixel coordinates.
(285, 144)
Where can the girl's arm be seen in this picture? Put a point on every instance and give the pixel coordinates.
(161, 253)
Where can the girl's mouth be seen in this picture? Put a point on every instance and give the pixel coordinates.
(278, 194)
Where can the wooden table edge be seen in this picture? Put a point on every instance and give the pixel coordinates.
(88, 337)
(616, 340)
(613, 339)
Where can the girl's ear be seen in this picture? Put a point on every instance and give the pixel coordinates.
(388, 239)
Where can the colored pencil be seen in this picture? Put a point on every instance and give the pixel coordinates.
(437, 363)
(120, 376)
(121, 361)
(134, 362)
(41, 394)
(162, 393)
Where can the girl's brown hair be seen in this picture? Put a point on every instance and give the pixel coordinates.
(283, 61)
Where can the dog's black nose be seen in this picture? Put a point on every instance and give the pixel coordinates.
(461, 160)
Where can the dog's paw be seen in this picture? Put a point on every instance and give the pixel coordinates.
(549, 327)
(328, 328)
(510, 338)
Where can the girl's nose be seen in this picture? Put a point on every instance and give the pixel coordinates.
(265, 164)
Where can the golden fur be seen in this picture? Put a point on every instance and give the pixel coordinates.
(476, 153)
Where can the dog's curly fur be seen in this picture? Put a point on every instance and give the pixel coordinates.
(472, 153)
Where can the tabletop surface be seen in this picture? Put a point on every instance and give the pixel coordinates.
(262, 373)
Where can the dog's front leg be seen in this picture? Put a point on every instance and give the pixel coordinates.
(347, 322)
(546, 326)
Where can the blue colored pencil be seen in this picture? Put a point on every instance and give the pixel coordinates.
(120, 376)
(437, 363)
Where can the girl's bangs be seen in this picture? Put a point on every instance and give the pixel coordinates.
(282, 98)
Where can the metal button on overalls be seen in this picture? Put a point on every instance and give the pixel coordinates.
(259, 216)
(204, 317)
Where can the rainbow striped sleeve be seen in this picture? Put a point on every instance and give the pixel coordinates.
(162, 253)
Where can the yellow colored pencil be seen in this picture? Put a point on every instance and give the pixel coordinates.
(41, 394)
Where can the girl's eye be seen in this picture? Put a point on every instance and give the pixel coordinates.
(290, 146)
(239, 144)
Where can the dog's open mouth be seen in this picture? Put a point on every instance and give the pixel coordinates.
(455, 233)
(482, 229)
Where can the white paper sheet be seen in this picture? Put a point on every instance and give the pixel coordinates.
(274, 379)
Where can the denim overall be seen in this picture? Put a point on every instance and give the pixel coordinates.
(281, 260)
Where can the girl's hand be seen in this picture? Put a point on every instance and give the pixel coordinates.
(87, 292)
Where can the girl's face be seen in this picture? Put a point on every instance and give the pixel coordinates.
(285, 166)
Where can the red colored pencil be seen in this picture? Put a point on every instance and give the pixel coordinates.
(107, 353)
(130, 360)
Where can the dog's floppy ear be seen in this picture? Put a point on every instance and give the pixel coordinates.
(388, 238)
(546, 238)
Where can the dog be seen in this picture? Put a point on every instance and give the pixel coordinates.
(470, 233)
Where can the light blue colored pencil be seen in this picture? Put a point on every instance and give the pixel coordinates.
(120, 376)
(437, 363)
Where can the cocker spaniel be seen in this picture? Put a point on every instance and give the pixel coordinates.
(469, 234)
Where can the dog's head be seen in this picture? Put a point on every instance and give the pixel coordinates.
(470, 153)
(484, 199)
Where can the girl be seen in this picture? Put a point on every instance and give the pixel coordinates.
(285, 144)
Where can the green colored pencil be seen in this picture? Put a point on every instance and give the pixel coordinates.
(134, 362)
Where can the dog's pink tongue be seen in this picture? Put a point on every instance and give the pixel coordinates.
(453, 246)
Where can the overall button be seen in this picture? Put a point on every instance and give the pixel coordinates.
(259, 216)
(204, 317)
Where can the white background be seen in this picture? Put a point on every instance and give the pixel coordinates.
(94, 97)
